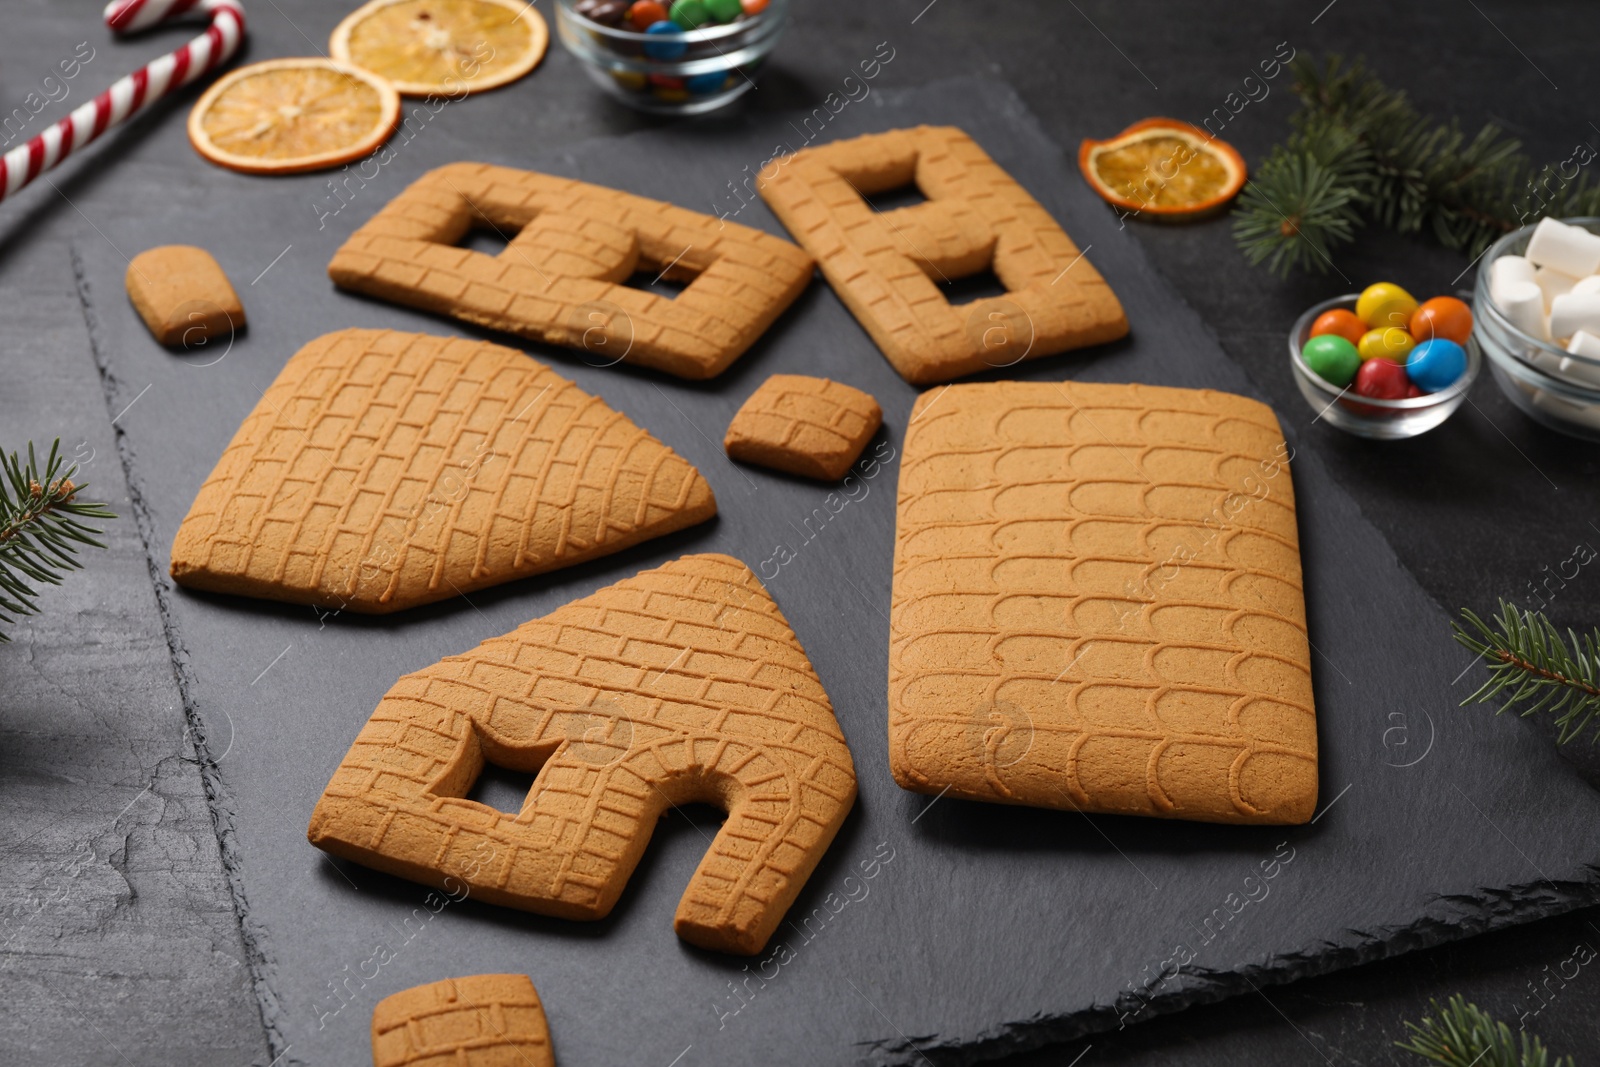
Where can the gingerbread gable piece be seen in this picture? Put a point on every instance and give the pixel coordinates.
(680, 684)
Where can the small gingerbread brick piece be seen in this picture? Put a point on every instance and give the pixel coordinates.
(182, 295)
(803, 425)
(482, 1019)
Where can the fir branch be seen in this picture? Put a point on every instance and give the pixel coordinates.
(40, 534)
(1463, 1035)
(1532, 669)
(1401, 170)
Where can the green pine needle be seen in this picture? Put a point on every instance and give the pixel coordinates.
(40, 534)
(1532, 669)
(1463, 1035)
(1361, 152)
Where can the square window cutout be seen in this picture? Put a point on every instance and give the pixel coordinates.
(979, 286)
(501, 788)
(908, 195)
(485, 239)
(654, 281)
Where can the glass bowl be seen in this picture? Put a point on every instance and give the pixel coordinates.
(1552, 386)
(1386, 420)
(716, 65)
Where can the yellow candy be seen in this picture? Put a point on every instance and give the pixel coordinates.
(1385, 304)
(1388, 342)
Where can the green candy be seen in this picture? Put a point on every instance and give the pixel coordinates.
(724, 10)
(690, 13)
(1331, 358)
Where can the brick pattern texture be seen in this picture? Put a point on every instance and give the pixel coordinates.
(383, 470)
(680, 684)
(887, 265)
(813, 427)
(483, 1020)
(561, 276)
(1097, 604)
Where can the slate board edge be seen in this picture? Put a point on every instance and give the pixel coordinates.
(258, 957)
(1491, 909)
(1494, 909)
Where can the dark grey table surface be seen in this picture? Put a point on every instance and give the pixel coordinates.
(121, 940)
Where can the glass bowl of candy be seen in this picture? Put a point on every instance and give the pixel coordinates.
(672, 57)
(1538, 321)
(1378, 364)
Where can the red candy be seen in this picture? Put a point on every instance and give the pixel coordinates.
(1381, 379)
(754, 7)
(646, 13)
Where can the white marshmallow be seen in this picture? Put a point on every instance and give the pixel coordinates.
(1554, 284)
(1523, 305)
(1584, 343)
(1583, 414)
(1582, 371)
(1507, 271)
(1572, 312)
(1569, 249)
(1584, 286)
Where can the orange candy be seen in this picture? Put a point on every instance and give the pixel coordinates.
(646, 13)
(754, 7)
(1340, 323)
(1443, 317)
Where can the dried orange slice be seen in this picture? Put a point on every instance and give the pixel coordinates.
(1163, 169)
(443, 47)
(291, 115)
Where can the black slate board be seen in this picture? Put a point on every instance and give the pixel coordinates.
(989, 927)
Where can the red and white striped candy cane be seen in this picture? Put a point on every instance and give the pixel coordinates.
(130, 95)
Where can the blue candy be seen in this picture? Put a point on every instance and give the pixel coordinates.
(665, 49)
(706, 84)
(1436, 364)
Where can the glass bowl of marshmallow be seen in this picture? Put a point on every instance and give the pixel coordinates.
(1537, 319)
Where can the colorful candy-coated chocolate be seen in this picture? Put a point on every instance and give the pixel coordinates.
(1385, 304)
(1412, 392)
(1341, 323)
(669, 46)
(690, 14)
(666, 81)
(1444, 317)
(724, 10)
(628, 79)
(671, 96)
(605, 12)
(706, 84)
(1389, 342)
(646, 13)
(1436, 364)
(754, 7)
(1331, 358)
(1380, 379)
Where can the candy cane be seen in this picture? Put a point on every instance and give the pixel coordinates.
(130, 95)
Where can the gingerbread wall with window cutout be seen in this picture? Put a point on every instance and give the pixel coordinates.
(571, 248)
(888, 266)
